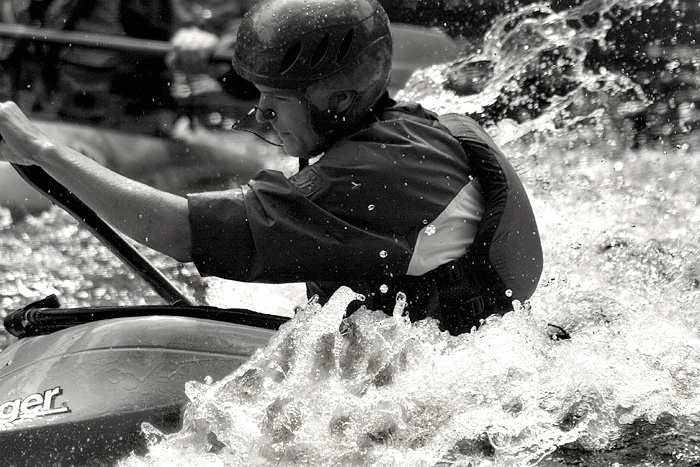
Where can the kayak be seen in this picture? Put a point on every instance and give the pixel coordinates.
(79, 383)
(80, 395)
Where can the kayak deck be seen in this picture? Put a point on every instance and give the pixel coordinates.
(81, 394)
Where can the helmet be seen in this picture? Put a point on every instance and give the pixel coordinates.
(317, 47)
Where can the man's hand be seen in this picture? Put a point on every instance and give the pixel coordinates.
(192, 50)
(22, 142)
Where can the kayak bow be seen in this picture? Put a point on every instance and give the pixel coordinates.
(79, 396)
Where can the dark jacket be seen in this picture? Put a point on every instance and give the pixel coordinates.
(380, 211)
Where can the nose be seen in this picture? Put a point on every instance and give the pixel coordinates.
(265, 115)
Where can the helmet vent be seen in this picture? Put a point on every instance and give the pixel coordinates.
(290, 58)
(320, 52)
(345, 46)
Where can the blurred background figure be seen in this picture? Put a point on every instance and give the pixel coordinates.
(50, 79)
(125, 90)
(209, 93)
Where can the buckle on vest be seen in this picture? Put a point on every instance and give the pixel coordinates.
(454, 272)
(477, 306)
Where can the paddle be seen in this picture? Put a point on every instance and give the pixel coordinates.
(57, 193)
(44, 317)
(96, 41)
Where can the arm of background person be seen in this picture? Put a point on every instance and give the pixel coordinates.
(152, 217)
(192, 50)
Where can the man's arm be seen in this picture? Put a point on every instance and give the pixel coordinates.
(152, 217)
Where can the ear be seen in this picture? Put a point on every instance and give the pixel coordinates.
(341, 101)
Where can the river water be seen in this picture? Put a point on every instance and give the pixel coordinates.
(620, 224)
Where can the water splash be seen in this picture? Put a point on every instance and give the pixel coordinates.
(529, 75)
(377, 390)
(381, 391)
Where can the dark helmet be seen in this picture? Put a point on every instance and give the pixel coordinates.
(317, 47)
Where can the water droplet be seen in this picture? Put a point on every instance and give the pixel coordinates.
(430, 230)
(383, 288)
(370, 207)
(383, 146)
(400, 304)
(313, 301)
(383, 254)
(425, 221)
(509, 293)
(208, 380)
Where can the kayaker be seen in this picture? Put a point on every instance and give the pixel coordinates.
(393, 199)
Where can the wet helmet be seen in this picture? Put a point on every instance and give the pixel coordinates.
(318, 47)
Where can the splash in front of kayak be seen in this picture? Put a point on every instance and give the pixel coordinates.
(378, 390)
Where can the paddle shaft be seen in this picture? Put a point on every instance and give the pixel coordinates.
(96, 41)
(60, 195)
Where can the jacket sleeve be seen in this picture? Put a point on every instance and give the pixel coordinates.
(270, 232)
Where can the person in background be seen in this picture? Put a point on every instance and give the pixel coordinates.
(74, 83)
(393, 199)
(119, 89)
(207, 92)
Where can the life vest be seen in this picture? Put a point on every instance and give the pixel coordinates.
(505, 260)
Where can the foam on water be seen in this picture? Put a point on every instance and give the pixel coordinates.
(378, 390)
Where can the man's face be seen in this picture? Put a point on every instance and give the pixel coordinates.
(290, 120)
